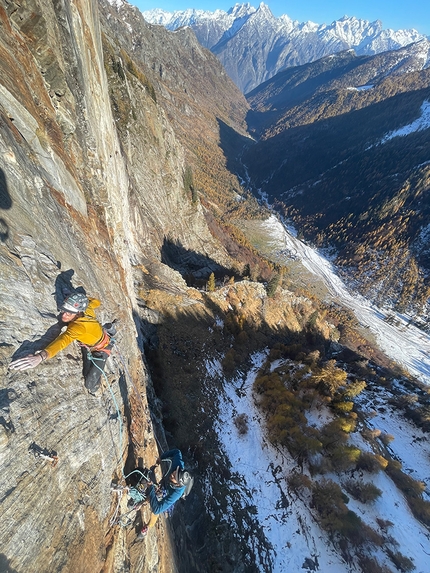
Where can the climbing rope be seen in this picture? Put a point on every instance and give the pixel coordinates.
(93, 359)
(136, 493)
(121, 358)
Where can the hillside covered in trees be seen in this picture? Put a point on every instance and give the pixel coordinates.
(343, 150)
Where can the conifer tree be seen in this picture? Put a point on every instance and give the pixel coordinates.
(210, 285)
(273, 285)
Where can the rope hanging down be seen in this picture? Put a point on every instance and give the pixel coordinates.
(138, 496)
(136, 391)
(93, 360)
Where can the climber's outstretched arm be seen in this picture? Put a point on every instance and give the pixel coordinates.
(29, 361)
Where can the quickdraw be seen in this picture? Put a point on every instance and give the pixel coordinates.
(43, 453)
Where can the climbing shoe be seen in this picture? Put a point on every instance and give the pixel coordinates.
(93, 386)
(143, 532)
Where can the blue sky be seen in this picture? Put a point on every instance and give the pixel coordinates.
(394, 14)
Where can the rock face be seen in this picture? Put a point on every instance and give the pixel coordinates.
(197, 96)
(89, 197)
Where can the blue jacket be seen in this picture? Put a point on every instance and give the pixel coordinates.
(173, 492)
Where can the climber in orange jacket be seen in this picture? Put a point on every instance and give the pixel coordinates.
(77, 311)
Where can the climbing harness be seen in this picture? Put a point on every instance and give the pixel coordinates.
(101, 344)
(43, 453)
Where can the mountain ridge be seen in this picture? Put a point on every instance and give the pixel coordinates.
(277, 43)
(342, 145)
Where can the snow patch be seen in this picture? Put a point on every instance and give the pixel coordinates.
(423, 122)
(361, 88)
(293, 538)
(402, 342)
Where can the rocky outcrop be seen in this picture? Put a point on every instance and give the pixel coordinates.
(90, 192)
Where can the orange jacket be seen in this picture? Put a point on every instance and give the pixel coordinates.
(85, 329)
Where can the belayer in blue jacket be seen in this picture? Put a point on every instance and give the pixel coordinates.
(176, 481)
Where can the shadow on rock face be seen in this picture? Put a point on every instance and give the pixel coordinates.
(194, 267)
(30, 347)
(5, 203)
(4, 565)
(64, 286)
(7, 395)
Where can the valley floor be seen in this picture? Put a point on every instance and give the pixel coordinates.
(285, 535)
(398, 339)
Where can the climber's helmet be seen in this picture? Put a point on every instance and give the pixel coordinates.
(76, 302)
(182, 477)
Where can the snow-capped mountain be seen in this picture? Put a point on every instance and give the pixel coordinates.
(253, 45)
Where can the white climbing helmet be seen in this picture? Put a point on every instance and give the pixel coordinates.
(76, 302)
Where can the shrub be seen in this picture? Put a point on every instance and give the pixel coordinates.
(371, 463)
(364, 492)
(320, 465)
(348, 424)
(386, 438)
(228, 363)
(298, 482)
(313, 357)
(241, 423)
(273, 285)
(358, 533)
(344, 407)
(329, 378)
(384, 523)
(332, 435)
(409, 486)
(354, 389)
(344, 458)
(370, 434)
(242, 338)
(421, 509)
(370, 565)
(402, 562)
(301, 446)
(330, 502)
(381, 461)
(352, 527)
(210, 286)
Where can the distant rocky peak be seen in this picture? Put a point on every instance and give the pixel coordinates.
(253, 45)
(240, 10)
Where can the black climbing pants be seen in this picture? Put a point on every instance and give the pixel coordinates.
(92, 368)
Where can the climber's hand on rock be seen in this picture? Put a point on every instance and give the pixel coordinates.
(30, 361)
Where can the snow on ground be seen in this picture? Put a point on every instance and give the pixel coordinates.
(423, 122)
(410, 445)
(360, 88)
(412, 537)
(297, 542)
(404, 343)
(318, 417)
(291, 531)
